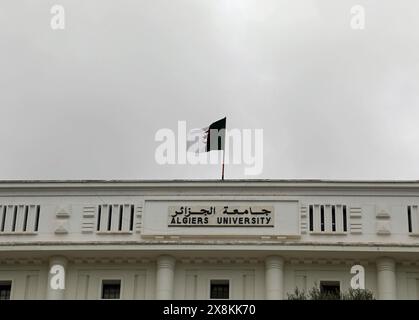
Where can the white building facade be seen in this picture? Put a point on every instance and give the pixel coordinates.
(206, 239)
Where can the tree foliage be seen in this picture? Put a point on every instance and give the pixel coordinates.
(316, 294)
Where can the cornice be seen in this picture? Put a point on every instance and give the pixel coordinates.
(196, 186)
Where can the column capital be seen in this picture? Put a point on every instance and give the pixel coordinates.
(386, 263)
(61, 260)
(274, 262)
(166, 261)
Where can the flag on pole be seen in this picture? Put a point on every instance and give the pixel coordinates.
(208, 138)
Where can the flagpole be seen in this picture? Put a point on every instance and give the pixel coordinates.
(222, 174)
(224, 151)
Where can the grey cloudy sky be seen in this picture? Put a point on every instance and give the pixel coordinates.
(86, 102)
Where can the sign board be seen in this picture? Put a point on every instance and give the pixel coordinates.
(221, 216)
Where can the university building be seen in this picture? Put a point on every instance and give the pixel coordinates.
(234, 239)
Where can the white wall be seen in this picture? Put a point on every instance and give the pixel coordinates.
(377, 227)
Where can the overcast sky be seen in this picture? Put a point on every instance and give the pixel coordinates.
(86, 102)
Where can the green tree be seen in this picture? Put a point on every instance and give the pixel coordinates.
(316, 294)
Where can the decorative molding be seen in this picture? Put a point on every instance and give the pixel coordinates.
(217, 260)
(63, 212)
(383, 228)
(22, 261)
(88, 220)
(303, 219)
(61, 229)
(326, 261)
(211, 238)
(139, 217)
(350, 262)
(383, 225)
(355, 220)
(382, 214)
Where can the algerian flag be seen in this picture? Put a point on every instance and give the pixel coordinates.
(208, 138)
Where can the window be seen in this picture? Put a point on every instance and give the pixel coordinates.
(328, 218)
(409, 218)
(220, 289)
(345, 227)
(330, 288)
(111, 289)
(413, 219)
(311, 218)
(5, 290)
(19, 218)
(115, 218)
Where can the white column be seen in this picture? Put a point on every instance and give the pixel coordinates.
(56, 278)
(165, 277)
(386, 279)
(274, 277)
